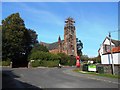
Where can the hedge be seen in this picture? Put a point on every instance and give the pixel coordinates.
(6, 63)
(39, 55)
(48, 59)
(44, 63)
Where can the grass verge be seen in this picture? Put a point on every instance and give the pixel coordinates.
(97, 74)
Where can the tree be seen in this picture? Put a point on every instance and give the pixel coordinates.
(33, 37)
(30, 41)
(64, 58)
(0, 27)
(17, 39)
(79, 47)
(13, 30)
(84, 58)
(96, 59)
(39, 47)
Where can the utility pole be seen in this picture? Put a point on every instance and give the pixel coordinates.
(113, 70)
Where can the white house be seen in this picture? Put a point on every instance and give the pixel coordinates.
(105, 53)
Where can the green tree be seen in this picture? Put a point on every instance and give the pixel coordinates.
(40, 55)
(79, 47)
(33, 37)
(13, 30)
(0, 27)
(84, 58)
(30, 41)
(96, 59)
(17, 39)
(64, 58)
(39, 47)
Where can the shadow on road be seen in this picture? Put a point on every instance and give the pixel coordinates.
(9, 82)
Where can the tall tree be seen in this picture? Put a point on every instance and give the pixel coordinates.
(84, 58)
(39, 47)
(17, 39)
(30, 41)
(13, 30)
(79, 47)
(33, 37)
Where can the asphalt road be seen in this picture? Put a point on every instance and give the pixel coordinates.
(54, 78)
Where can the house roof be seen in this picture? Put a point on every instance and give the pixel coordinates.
(51, 46)
(116, 49)
(116, 42)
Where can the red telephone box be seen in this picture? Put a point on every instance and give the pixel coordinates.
(77, 61)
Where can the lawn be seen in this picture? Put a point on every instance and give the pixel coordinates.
(97, 74)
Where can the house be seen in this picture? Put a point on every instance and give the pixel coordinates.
(105, 51)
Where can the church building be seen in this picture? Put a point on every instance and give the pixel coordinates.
(68, 45)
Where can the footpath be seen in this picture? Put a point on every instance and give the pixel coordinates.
(89, 76)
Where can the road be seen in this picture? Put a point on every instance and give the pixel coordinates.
(54, 78)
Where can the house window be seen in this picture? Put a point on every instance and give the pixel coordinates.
(107, 48)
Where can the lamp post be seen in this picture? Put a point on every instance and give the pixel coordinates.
(113, 71)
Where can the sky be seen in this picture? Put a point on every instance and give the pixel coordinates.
(93, 20)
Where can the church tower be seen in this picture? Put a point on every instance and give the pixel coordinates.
(70, 47)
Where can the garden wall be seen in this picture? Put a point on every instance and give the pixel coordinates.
(108, 68)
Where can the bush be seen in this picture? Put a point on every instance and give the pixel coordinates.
(44, 63)
(64, 59)
(50, 63)
(0, 63)
(35, 63)
(67, 60)
(44, 59)
(72, 61)
(6, 63)
(39, 47)
(39, 55)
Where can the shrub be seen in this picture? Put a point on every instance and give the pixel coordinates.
(39, 47)
(72, 61)
(39, 55)
(50, 63)
(35, 63)
(54, 57)
(6, 63)
(44, 63)
(67, 60)
(64, 59)
(0, 63)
